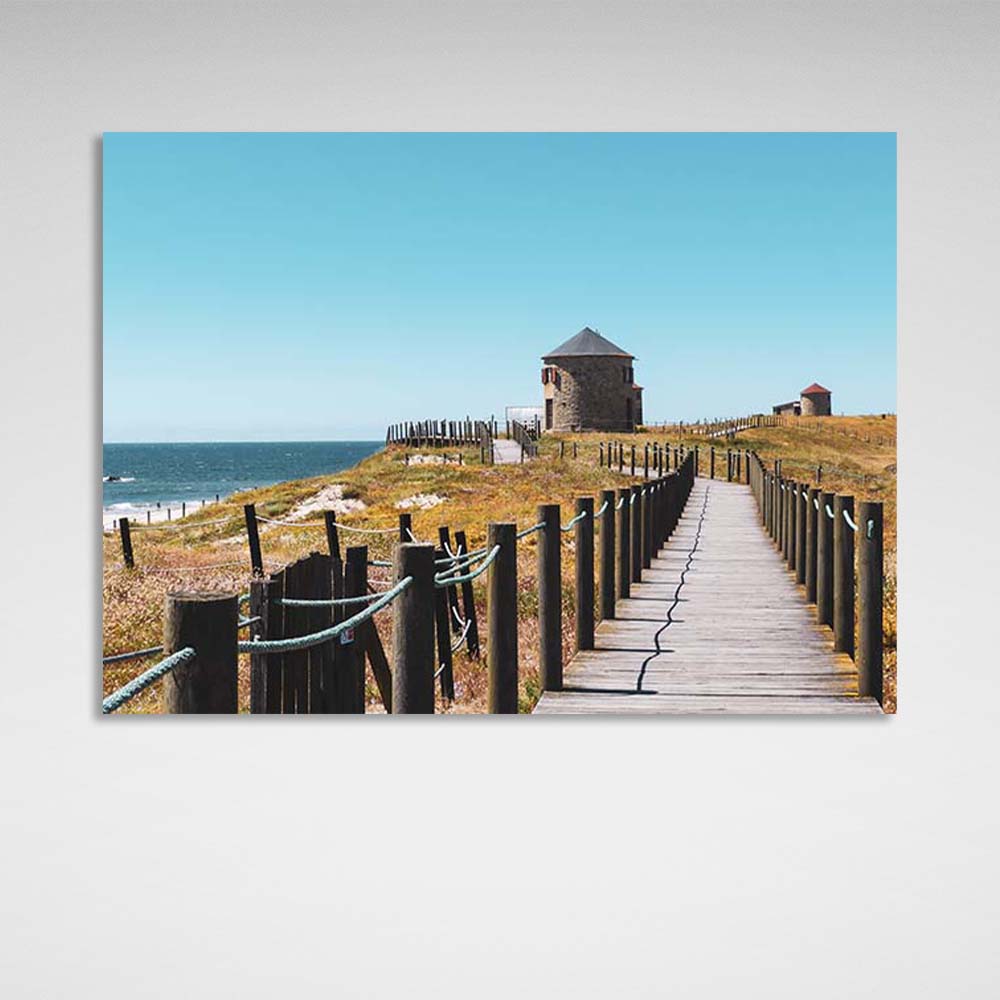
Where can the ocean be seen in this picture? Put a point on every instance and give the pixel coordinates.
(154, 477)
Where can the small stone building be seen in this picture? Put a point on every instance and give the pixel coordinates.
(813, 401)
(816, 401)
(589, 384)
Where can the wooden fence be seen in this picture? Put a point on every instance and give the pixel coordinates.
(442, 433)
(836, 557)
(433, 613)
(525, 436)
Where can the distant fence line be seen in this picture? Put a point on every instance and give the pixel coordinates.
(307, 655)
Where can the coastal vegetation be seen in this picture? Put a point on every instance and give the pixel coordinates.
(208, 549)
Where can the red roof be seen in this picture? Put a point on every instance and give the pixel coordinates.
(814, 388)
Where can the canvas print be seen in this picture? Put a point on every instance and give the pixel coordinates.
(551, 424)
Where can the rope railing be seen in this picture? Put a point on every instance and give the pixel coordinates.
(244, 622)
(182, 523)
(440, 581)
(325, 635)
(601, 510)
(322, 524)
(128, 691)
(849, 520)
(296, 602)
(529, 531)
(137, 654)
(573, 522)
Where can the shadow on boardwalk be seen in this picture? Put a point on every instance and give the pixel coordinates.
(718, 626)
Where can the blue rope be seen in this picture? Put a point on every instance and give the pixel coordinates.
(448, 581)
(531, 530)
(318, 638)
(139, 654)
(127, 692)
(573, 521)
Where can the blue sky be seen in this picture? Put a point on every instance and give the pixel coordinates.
(319, 286)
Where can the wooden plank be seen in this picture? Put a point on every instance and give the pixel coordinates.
(718, 625)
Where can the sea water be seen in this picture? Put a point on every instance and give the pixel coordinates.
(153, 477)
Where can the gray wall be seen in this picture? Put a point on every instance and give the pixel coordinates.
(592, 394)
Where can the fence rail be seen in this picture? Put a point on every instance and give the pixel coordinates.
(836, 556)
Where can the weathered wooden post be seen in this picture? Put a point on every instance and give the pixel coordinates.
(801, 499)
(633, 460)
(601, 453)
(501, 619)
(812, 519)
(207, 623)
(332, 538)
(607, 563)
(468, 602)
(253, 538)
(645, 462)
(126, 536)
(442, 629)
(711, 462)
(585, 574)
(824, 560)
(265, 596)
(562, 449)
(349, 680)
(413, 631)
(405, 528)
(729, 465)
(635, 531)
(793, 523)
(843, 575)
(624, 543)
(646, 503)
(869, 658)
(444, 538)
(550, 598)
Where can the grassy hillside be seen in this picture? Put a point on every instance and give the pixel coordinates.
(194, 554)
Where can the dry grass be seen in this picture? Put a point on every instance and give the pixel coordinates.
(188, 556)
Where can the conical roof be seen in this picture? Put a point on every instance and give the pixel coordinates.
(814, 388)
(587, 343)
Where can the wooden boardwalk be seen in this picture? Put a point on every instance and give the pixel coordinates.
(718, 626)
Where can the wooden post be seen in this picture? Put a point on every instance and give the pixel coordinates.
(633, 460)
(550, 598)
(811, 540)
(646, 501)
(413, 631)
(843, 576)
(645, 462)
(585, 574)
(824, 560)
(350, 679)
(711, 462)
(405, 528)
(501, 619)
(729, 465)
(869, 658)
(265, 597)
(793, 512)
(256, 559)
(332, 539)
(635, 530)
(444, 537)
(123, 530)
(442, 628)
(600, 453)
(562, 449)
(607, 587)
(468, 602)
(207, 623)
(624, 543)
(801, 499)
